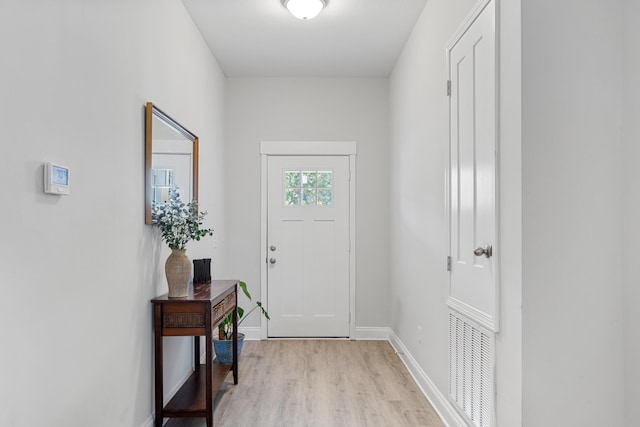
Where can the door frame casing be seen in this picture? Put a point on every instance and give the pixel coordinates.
(308, 148)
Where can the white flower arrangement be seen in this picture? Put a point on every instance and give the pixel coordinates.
(178, 222)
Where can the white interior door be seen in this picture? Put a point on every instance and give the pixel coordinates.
(308, 246)
(472, 178)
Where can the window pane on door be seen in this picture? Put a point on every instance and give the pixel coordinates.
(309, 197)
(292, 197)
(325, 196)
(324, 179)
(309, 179)
(308, 188)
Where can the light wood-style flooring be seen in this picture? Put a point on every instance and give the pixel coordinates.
(319, 383)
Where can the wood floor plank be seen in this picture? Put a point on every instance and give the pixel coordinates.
(319, 383)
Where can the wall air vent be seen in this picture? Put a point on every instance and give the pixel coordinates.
(471, 370)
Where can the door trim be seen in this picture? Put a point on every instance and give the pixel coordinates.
(492, 324)
(309, 148)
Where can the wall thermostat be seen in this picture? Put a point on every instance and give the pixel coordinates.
(56, 179)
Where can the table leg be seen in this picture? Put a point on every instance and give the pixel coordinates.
(234, 367)
(208, 349)
(196, 353)
(157, 322)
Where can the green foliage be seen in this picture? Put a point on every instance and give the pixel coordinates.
(226, 327)
(178, 222)
(308, 188)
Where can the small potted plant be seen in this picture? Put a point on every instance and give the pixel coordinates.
(223, 346)
(179, 223)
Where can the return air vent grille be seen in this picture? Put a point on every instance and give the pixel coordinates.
(471, 362)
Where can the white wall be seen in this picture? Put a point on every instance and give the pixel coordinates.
(417, 157)
(631, 204)
(77, 272)
(418, 224)
(573, 364)
(509, 340)
(311, 109)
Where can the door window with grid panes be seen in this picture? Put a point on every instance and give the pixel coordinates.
(308, 188)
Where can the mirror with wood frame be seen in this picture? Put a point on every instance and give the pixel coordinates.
(171, 159)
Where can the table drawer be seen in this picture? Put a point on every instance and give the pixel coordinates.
(183, 320)
(224, 307)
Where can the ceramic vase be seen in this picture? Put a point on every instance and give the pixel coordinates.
(178, 271)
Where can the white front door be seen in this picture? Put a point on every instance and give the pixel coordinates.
(308, 246)
(472, 177)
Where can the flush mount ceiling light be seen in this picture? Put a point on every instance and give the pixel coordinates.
(304, 9)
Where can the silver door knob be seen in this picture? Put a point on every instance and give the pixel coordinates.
(486, 251)
(273, 248)
(272, 260)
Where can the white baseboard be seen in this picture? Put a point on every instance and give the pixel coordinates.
(251, 333)
(372, 333)
(448, 414)
(148, 422)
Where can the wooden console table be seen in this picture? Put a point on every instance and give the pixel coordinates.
(196, 315)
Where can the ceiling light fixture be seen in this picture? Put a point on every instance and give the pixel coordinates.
(304, 9)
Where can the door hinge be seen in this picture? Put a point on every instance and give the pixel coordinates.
(349, 317)
(448, 263)
(448, 87)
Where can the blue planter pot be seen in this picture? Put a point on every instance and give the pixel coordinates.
(224, 350)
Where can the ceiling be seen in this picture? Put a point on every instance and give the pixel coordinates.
(350, 38)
